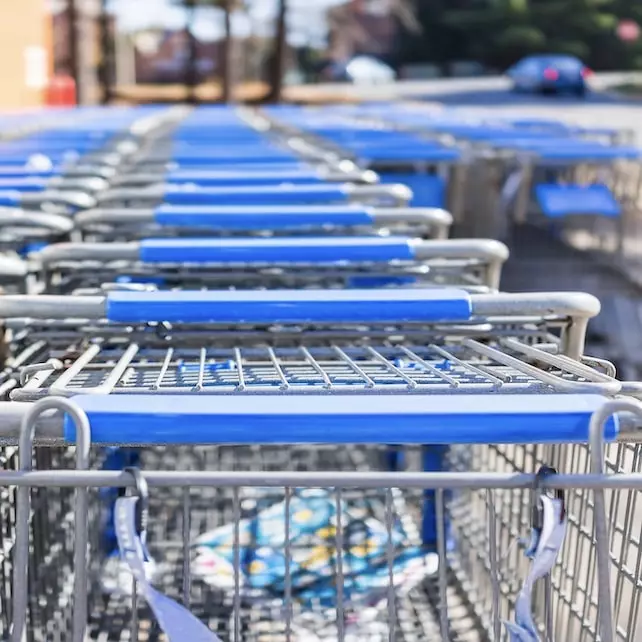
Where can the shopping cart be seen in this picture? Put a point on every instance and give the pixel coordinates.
(226, 177)
(126, 223)
(431, 168)
(582, 190)
(329, 261)
(303, 194)
(207, 154)
(60, 170)
(284, 405)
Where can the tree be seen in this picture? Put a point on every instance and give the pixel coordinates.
(192, 74)
(498, 32)
(277, 66)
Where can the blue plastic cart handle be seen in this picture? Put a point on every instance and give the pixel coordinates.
(10, 198)
(280, 250)
(290, 306)
(276, 194)
(410, 154)
(589, 153)
(351, 419)
(196, 160)
(221, 179)
(239, 167)
(558, 201)
(263, 218)
(8, 172)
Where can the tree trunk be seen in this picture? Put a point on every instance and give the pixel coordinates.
(278, 60)
(226, 72)
(74, 49)
(191, 72)
(107, 55)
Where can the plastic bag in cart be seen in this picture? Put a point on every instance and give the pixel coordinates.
(368, 544)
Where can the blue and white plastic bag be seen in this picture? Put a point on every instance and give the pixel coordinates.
(368, 543)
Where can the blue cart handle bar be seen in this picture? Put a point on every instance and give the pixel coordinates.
(316, 307)
(270, 217)
(149, 419)
(347, 251)
(276, 306)
(314, 194)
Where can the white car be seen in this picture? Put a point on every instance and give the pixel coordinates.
(363, 70)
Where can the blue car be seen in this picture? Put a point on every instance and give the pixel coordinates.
(550, 74)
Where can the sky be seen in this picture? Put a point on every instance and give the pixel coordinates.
(306, 18)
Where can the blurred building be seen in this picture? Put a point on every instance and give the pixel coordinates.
(90, 30)
(25, 63)
(162, 56)
(90, 54)
(361, 27)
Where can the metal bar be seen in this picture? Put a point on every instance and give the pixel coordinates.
(537, 373)
(23, 511)
(201, 369)
(118, 370)
(391, 367)
(443, 577)
(327, 382)
(428, 366)
(605, 605)
(44, 306)
(495, 381)
(345, 358)
(238, 358)
(361, 480)
(85, 358)
(161, 375)
(277, 366)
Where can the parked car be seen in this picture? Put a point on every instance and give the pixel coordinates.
(550, 74)
(362, 70)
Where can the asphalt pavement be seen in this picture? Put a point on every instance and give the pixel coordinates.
(601, 106)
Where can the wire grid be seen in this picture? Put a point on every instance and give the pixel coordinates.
(574, 580)
(178, 515)
(51, 537)
(462, 366)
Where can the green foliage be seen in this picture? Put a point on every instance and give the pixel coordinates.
(523, 37)
(497, 33)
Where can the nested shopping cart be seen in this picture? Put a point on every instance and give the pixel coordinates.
(246, 430)
(304, 262)
(433, 169)
(585, 191)
(127, 223)
(60, 170)
(280, 194)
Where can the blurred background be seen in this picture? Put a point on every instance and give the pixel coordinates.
(130, 51)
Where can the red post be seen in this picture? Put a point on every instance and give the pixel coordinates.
(61, 91)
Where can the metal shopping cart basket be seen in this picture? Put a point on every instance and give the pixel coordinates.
(266, 410)
(586, 192)
(268, 263)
